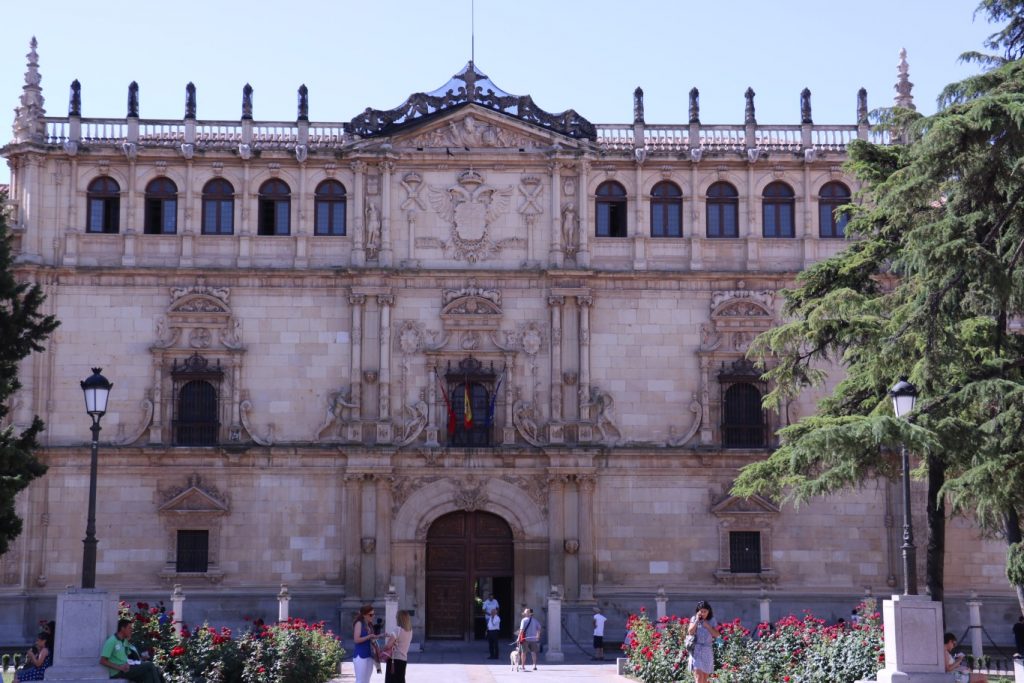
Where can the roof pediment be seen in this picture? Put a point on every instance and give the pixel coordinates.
(469, 87)
(473, 127)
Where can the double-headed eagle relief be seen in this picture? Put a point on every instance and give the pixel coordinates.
(470, 207)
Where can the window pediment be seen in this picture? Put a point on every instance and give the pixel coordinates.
(735, 507)
(194, 498)
(471, 307)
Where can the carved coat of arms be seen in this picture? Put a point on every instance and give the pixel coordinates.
(470, 207)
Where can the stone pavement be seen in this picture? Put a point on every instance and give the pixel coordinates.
(470, 665)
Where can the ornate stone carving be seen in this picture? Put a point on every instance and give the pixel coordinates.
(602, 416)
(470, 207)
(368, 544)
(412, 183)
(245, 408)
(418, 413)
(468, 132)
(471, 291)
(570, 229)
(470, 494)
(675, 440)
(222, 293)
(199, 338)
(571, 545)
(524, 418)
(124, 439)
(531, 189)
(194, 496)
(764, 302)
(372, 230)
(337, 403)
(535, 487)
(403, 487)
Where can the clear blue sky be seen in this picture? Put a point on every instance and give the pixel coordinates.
(588, 55)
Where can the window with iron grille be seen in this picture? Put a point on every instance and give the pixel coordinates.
(473, 381)
(745, 552)
(193, 551)
(196, 401)
(743, 424)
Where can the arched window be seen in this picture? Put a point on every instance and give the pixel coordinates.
(722, 212)
(832, 221)
(610, 215)
(329, 208)
(666, 210)
(218, 208)
(161, 207)
(104, 205)
(196, 422)
(777, 211)
(743, 423)
(275, 208)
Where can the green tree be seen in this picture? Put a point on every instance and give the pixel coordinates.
(23, 328)
(931, 288)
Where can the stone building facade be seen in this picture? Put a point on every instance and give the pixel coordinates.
(295, 316)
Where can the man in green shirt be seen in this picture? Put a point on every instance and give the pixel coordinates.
(124, 661)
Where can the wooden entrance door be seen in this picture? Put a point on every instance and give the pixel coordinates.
(464, 549)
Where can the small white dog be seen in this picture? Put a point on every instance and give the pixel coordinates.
(516, 659)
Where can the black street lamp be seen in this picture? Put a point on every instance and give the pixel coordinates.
(97, 390)
(904, 394)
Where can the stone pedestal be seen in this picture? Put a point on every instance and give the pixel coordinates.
(974, 609)
(85, 619)
(913, 641)
(1018, 669)
(553, 652)
(391, 610)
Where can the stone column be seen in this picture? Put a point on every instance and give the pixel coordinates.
(357, 301)
(974, 609)
(508, 432)
(583, 255)
(283, 598)
(382, 527)
(368, 539)
(661, 601)
(391, 610)
(587, 483)
(583, 303)
(1018, 669)
(637, 234)
(352, 533)
(433, 407)
(244, 233)
(301, 231)
(386, 251)
(765, 603)
(555, 303)
(555, 254)
(358, 173)
(554, 653)
(556, 529)
(385, 302)
(187, 226)
(177, 608)
(706, 428)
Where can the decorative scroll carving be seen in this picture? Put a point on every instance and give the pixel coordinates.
(676, 440)
(411, 337)
(471, 290)
(166, 336)
(764, 300)
(245, 408)
(469, 86)
(403, 487)
(470, 207)
(337, 403)
(147, 417)
(524, 418)
(222, 293)
(417, 413)
(535, 487)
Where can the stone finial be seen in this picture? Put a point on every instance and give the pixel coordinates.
(694, 105)
(75, 101)
(190, 100)
(133, 100)
(749, 117)
(805, 106)
(638, 105)
(303, 103)
(903, 85)
(247, 102)
(862, 107)
(28, 117)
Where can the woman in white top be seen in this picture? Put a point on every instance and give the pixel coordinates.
(400, 640)
(954, 663)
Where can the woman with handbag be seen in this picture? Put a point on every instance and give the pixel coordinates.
(362, 637)
(703, 632)
(396, 649)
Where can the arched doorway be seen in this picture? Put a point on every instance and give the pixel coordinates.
(469, 555)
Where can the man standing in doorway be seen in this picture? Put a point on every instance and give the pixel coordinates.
(599, 620)
(493, 626)
(490, 604)
(530, 628)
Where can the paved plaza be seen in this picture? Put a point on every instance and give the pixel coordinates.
(466, 664)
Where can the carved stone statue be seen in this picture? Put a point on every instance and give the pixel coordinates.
(601, 402)
(372, 228)
(570, 229)
(337, 403)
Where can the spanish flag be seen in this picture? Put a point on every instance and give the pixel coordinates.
(467, 415)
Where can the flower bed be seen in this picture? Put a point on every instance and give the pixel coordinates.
(292, 652)
(793, 650)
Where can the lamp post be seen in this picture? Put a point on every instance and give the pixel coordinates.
(97, 390)
(904, 395)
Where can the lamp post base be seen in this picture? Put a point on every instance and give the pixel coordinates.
(85, 619)
(913, 641)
